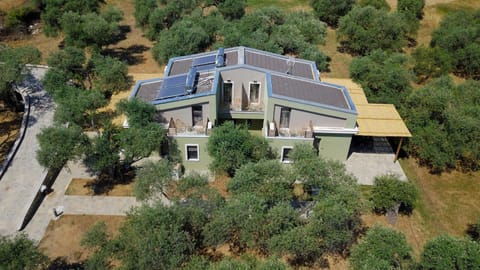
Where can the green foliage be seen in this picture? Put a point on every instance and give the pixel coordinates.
(331, 11)
(365, 29)
(413, 7)
(446, 252)
(54, 9)
(236, 223)
(336, 219)
(139, 142)
(13, 69)
(183, 38)
(382, 248)
(232, 9)
(317, 173)
(267, 179)
(299, 244)
(17, 16)
(378, 4)
(70, 61)
(231, 146)
(143, 9)
(430, 63)
(458, 35)
(248, 263)
(152, 179)
(90, 29)
(78, 106)
(383, 76)
(103, 153)
(59, 144)
(19, 252)
(110, 74)
(389, 192)
(192, 181)
(139, 113)
(442, 116)
(159, 237)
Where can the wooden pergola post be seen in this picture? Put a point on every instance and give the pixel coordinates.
(398, 150)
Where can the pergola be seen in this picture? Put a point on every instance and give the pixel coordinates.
(376, 120)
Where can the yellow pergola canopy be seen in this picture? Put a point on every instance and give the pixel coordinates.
(380, 120)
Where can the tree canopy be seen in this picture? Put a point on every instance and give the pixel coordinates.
(231, 146)
(331, 11)
(382, 248)
(383, 76)
(458, 35)
(390, 193)
(19, 252)
(443, 116)
(365, 29)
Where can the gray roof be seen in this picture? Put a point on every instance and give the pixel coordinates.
(149, 90)
(278, 63)
(308, 90)
(248, 56)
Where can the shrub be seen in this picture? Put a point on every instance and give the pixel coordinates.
(389, 192)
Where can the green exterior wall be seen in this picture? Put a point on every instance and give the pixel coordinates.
(204, 159)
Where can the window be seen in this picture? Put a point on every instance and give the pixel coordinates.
(286, 154)
(254, 92)
(197, 115)
(192, 152)
(285, 117)
(227, 92)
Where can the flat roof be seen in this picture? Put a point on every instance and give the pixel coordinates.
(309, 90)
(380, 120)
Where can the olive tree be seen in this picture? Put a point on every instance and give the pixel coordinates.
(391, 193)
(382, 248)
(331, 11)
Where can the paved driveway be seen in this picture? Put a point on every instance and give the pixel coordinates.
(24, 176)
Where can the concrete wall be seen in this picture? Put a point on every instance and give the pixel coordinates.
(241, 79)
(332, 146)
(300, 119)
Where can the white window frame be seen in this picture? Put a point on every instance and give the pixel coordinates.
(223, 92)
(250, 92)
(283, 151)
(186, 152)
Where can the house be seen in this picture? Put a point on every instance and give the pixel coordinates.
(279, 97)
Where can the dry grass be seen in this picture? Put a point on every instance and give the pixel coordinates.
(10, 122)
(340, 62)
(63, 236)
(83, 187)
(9, 4)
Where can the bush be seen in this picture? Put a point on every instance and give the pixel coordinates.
(20, 253)
(331, 11)
(383, 76)
(365, 29)
(382, 248)
(430, 63)
(390, 193)
(446, 252)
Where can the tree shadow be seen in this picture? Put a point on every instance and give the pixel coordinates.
(60, 263)
(132, 55)
(473, 231)
(104, 183)
(122, 33)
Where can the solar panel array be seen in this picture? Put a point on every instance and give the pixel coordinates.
(172, 87)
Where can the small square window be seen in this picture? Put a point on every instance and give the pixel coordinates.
(286, 150)
(192, 152)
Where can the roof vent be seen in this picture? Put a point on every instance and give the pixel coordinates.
(220, 60)
(190, 82)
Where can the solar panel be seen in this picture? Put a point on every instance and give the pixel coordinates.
(172, 87)
(205, 60)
